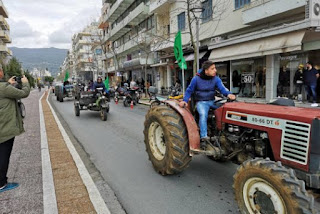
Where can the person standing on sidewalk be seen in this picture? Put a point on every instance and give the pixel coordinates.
(11, 123)
(310, 77)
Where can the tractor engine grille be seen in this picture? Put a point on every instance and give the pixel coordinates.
(295, 142)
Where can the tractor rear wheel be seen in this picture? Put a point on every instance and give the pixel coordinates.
(165, 136)
(264, 186)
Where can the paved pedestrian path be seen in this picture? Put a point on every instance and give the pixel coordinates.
(62, 186)
(25, 165)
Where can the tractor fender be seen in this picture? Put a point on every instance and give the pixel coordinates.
(189, 121)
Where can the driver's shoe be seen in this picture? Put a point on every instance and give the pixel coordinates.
(204, 142)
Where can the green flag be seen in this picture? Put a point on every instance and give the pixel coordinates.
(106, 83)
(66, 77)
(178, 51)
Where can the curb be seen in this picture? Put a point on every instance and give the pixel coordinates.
(94, 194)
(49, 196)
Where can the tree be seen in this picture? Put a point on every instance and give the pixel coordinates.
(48, 79)
(30, 79)
(13, 68)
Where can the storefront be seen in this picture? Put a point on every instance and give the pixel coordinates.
(248, 77)
(223, 71)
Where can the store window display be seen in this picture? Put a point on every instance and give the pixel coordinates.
(249, 78)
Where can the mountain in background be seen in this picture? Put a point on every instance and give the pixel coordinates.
(40, 58)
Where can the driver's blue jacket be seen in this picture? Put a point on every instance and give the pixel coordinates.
(204, 89)
(99, 85)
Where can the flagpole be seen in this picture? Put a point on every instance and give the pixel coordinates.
(183, 80)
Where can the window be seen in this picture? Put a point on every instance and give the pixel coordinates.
(182, 21)
(240, 3)
(207, 11)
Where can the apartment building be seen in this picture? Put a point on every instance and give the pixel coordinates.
(68, 65)
(4, 32)
(128, 29)
(250, 41)
(85, 60)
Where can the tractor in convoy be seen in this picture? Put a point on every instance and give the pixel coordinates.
(277, 148)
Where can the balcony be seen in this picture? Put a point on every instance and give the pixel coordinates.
(162, 45)
(4, 35)
(133, 44)
(4, 24)
(111, 69)
(117, 9)
(134, 18)
(5, 49)
(105, 7)
(262, 11)
(160, 6)
(3, 10)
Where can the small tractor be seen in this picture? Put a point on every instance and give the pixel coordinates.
(277, 149)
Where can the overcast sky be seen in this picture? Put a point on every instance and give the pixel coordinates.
(49, 23)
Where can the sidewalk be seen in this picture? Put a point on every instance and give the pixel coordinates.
(25, 165)
(55, 183)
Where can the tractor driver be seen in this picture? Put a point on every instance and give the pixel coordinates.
(100, 84)
(203, 86)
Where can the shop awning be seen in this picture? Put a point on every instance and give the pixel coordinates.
(266, 46)
(190, 57)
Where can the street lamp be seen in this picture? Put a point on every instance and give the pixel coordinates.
(197, 10)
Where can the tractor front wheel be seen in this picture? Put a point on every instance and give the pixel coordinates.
(165, 136)
(264, 186)
(103, 114)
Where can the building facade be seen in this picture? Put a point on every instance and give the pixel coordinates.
(250, 41)
(5, 39)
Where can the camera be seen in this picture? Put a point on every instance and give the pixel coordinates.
(18, 80)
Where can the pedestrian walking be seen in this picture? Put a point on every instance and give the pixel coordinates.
(11, 124)
(310, 76)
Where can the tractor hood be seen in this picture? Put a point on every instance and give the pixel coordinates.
(305, 115)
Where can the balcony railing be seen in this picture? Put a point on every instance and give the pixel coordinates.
(158, 6)
(4, 35)
(265, 10)
(4, 24)
(5, 49)
(3, 10)
(117, 9)
(135, 17)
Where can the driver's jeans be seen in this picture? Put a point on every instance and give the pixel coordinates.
(203, 108)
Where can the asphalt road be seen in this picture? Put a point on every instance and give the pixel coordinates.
(117, 149)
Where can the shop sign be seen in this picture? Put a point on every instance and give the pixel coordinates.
(289, 58)
(247, 78)
(248, 62)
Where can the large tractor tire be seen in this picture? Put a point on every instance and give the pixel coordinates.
(264, 186)
(165, 136)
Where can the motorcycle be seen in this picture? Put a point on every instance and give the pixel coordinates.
(132, 95)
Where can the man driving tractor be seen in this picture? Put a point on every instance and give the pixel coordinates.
(203, 86)
(100, 84)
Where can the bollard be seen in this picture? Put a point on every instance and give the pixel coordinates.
(131, 105)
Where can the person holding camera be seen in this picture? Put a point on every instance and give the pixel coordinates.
(11, 123)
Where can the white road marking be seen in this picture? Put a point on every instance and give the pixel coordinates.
(49, 195)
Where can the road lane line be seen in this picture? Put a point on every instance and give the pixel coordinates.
(93, 191)
(49, 195)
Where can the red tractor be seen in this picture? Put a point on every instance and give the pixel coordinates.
(277, 147)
